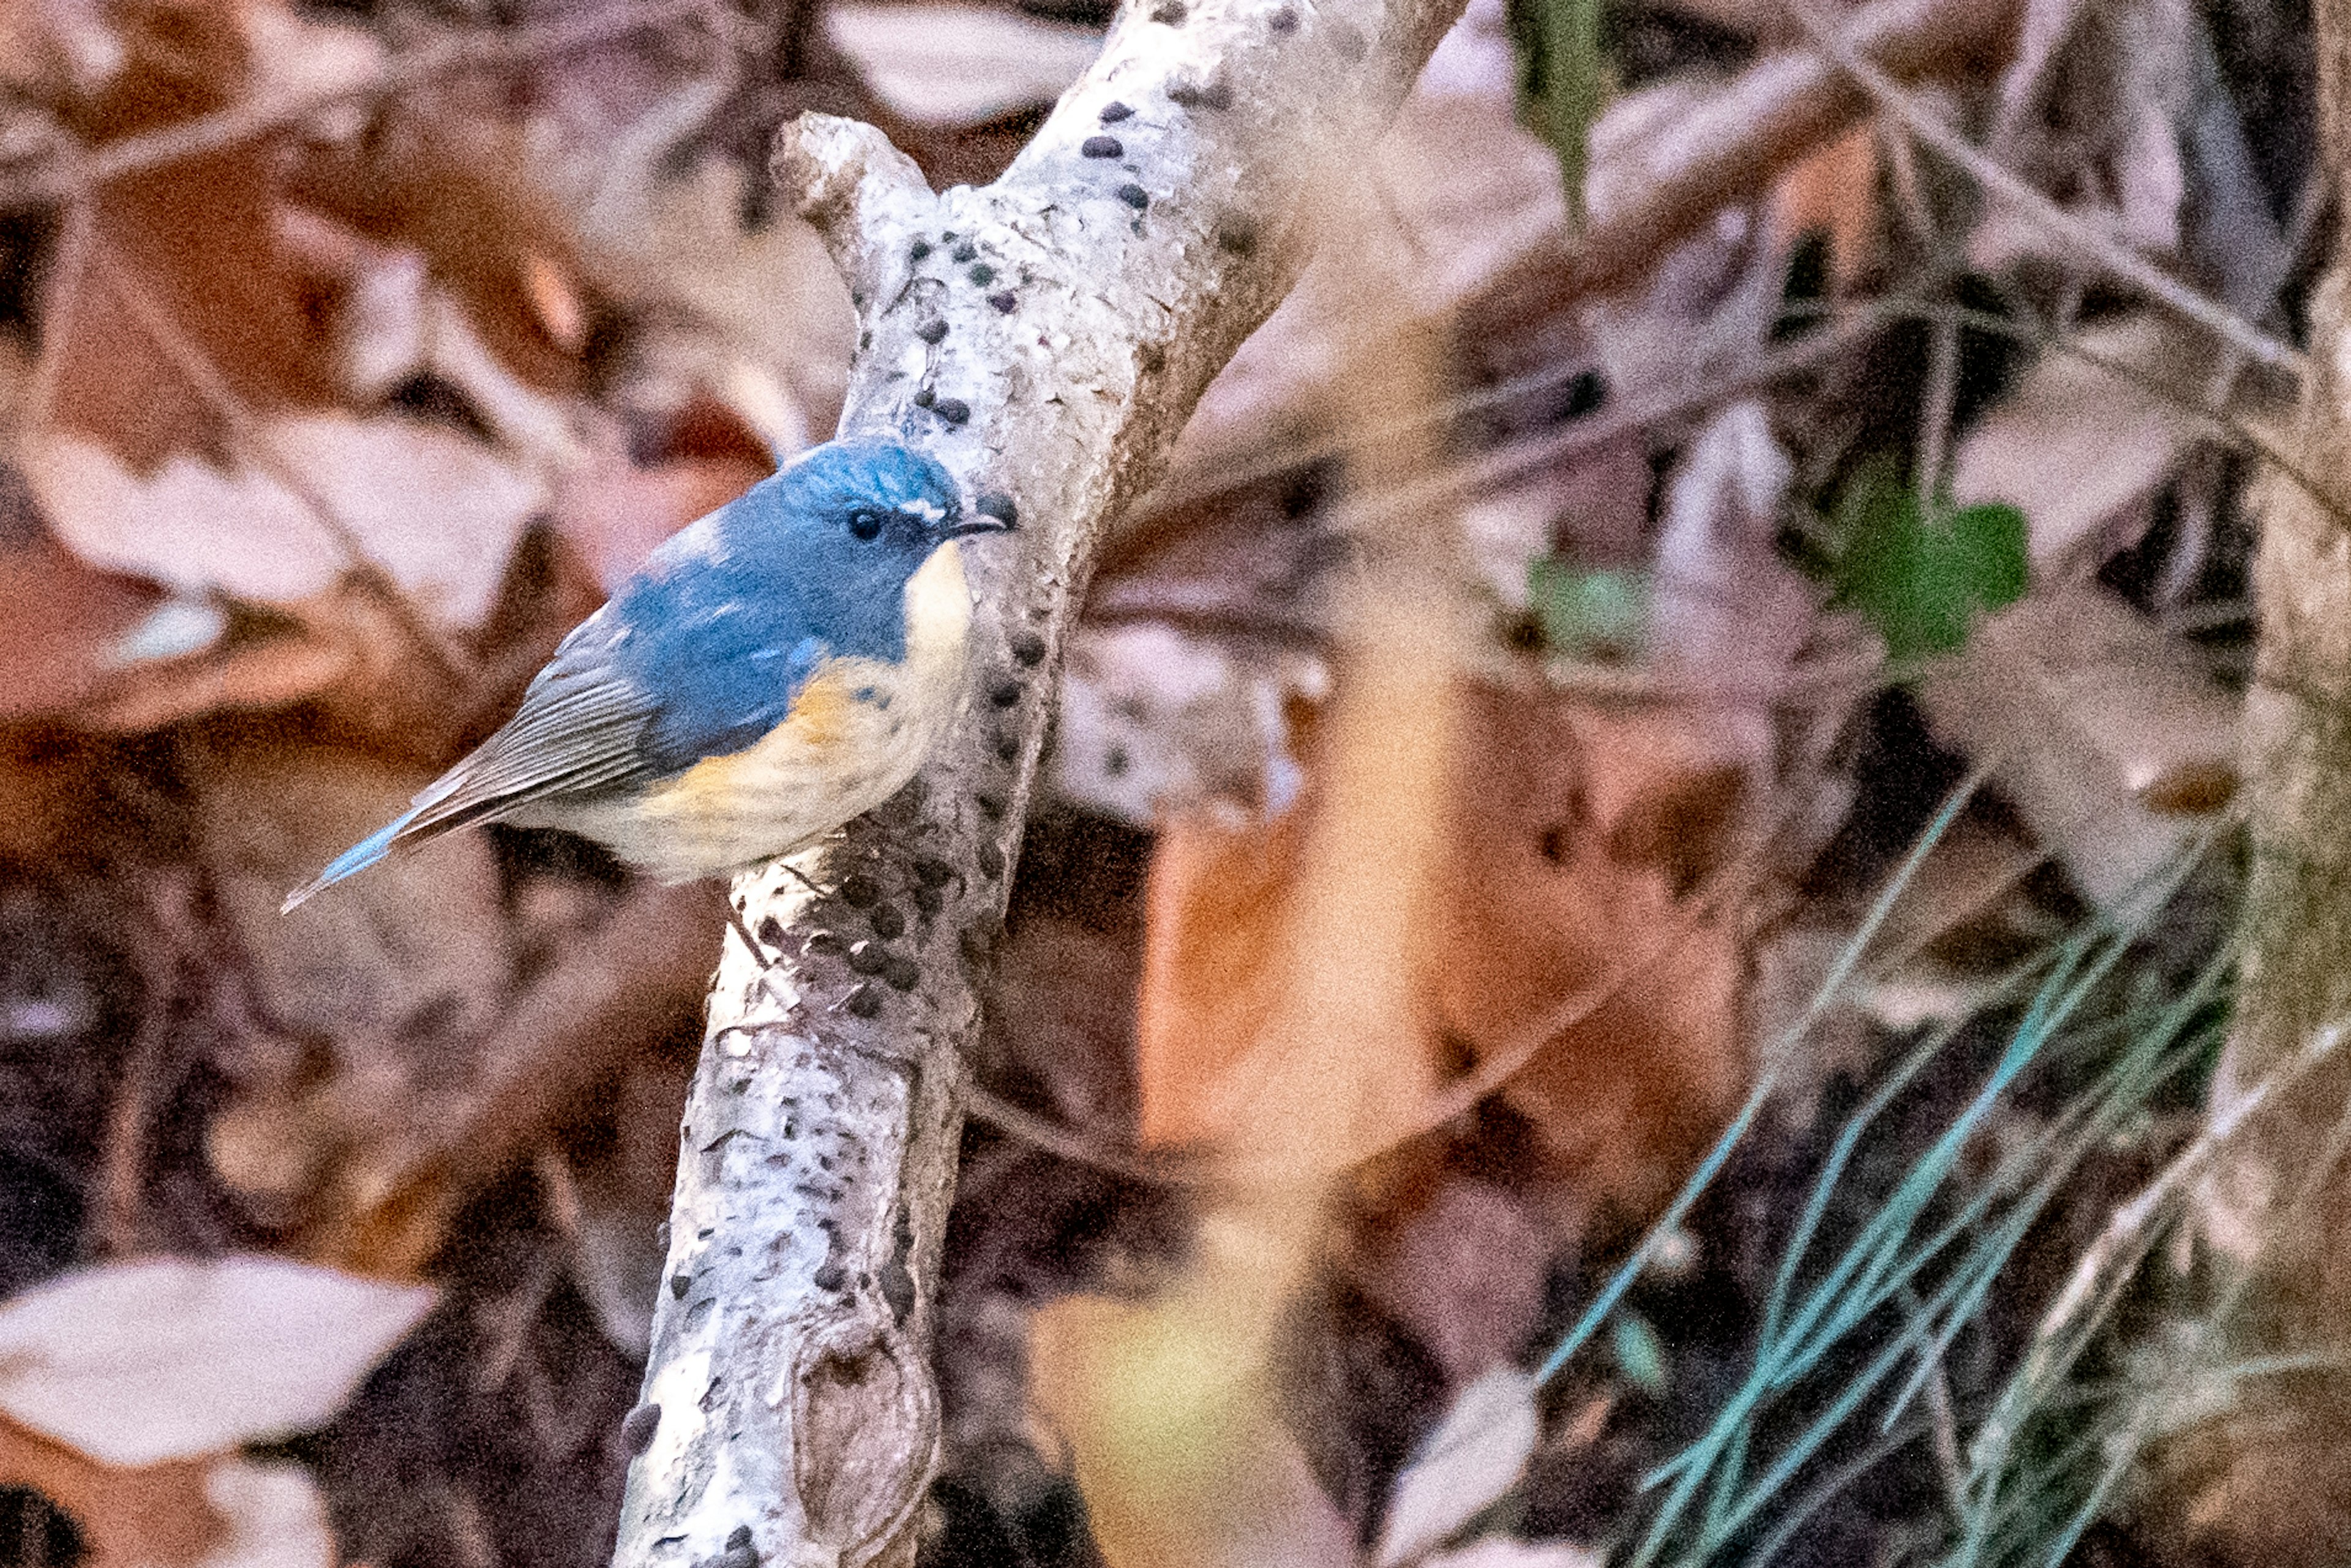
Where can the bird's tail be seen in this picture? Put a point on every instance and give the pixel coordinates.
(358, 858)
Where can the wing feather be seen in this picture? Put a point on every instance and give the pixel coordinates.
(580, 731)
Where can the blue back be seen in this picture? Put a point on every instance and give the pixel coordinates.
(732, 615)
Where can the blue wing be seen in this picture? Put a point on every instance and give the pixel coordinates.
(699, 657)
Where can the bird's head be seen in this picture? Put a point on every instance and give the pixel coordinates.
(877, 496)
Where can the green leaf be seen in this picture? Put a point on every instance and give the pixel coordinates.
(1562, 81)
(1639, 1353)
(1588, 614)
(1921, 575)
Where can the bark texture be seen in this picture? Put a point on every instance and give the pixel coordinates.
(1045, 337)
(2283, 1494)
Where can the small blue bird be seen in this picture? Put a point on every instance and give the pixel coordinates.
(778, 668)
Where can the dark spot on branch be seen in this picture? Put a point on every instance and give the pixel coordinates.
(679, 1284)
(863, 1002)
(919, 250)
(1007, 747)
(1237, 235)
(954, 410)
(1215, 95)
(991, 861)
(1285, 20)
(858, 890)
(925, 397)
(637, 1429)
(902, 972)
(929, 900)
(1152, 357)
(932, 331)
(829, 1276)
(982, 274)
(888, 923)
(1029, 648)
(1134, 195)
(771, 930)
(965, 252)
(1005, 692)
(897, 1280)
(1169, 12)
(990, 806)
(1004, 301)
(1112, 113)
(1101, 147)
(868, 958)
(933, 873)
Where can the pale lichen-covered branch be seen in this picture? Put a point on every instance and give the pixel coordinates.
(1045, 337)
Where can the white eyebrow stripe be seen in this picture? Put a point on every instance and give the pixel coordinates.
(929, 511)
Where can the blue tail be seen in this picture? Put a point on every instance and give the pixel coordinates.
(358, 858)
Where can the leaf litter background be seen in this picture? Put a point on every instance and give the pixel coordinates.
(1755, 648)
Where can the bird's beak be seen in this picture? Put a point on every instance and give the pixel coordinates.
(977, 523)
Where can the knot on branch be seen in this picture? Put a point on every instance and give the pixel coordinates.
(845, 178)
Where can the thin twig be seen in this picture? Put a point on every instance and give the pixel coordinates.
(76, 175)
(1995, 177)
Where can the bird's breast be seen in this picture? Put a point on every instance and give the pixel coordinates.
(856, 731)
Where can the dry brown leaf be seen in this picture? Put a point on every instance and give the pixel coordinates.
(158, 1516)
(401, 972)
(1575, 832)
(437, 511)
(1833, 192)
(614, 511)
(1460, 1262)
(62, 622)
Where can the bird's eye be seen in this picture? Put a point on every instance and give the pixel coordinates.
(864, 525)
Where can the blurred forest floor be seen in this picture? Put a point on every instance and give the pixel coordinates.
(1824, 579)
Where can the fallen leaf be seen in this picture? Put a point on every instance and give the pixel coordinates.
(1476, 1455)
(2077, 443)
(951, 63)
(437, 512)
(2112, 740)
(1559, 941)
(168, 1358)
(276, 1517)
(1832, 193)
(62, 622)
(146, 1516)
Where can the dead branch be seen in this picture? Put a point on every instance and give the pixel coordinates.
(1776, 112)
(1044, 337)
